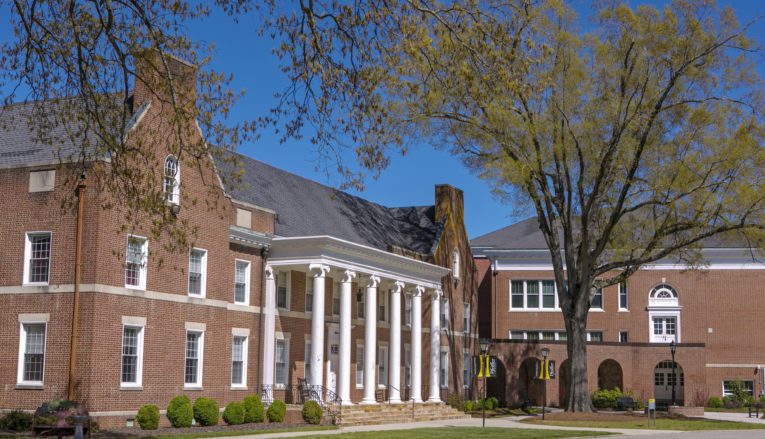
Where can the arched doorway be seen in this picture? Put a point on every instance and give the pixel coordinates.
(529, 387)
(563, 380)
(662, 383)
(610, 375)
(664, 314)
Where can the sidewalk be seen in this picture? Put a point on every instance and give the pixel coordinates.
(736, 417)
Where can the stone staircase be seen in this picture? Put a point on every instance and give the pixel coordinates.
(384, 413)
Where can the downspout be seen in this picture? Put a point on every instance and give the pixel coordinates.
(76, 302)
(494, 273)
(263, 256)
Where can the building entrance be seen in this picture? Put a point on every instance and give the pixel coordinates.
(662, 382)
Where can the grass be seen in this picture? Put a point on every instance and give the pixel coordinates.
(501, 412)
(683, 424)
(465, 432)
(230, 433)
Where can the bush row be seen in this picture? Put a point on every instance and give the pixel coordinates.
(490, 403)
(205, 411)
(606, 399)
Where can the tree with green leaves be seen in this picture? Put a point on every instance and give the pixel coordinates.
(635, 134)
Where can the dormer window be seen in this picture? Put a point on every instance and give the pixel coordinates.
(172, 180)
(456, 264)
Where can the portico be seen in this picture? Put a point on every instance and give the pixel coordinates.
(383, 278)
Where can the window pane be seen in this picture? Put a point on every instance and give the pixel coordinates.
(597, 299)
(281, 290)
(240, 281)
(336, 299)
(532, 335)
(658, 326)
(307, 362)
(39, 260)
(623, 295)
(237, 360)
(670, 325)
(361, 304)
(548, 335)
(281, 363)
(532, 294)
(516, 294)
(596, 336)
(548, 294)
(130, 354)
(195, 272)
(360, 365)
(407, 310)
(192, 357)
(34, 353)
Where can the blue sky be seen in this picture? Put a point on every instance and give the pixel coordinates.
(410, 180)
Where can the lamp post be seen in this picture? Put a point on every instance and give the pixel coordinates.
(484, 352)
(545, 353)
(672, 348)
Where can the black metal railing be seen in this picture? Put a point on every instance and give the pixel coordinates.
(329, 401)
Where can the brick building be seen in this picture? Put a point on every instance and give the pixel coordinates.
(709, 313)
(284, 279)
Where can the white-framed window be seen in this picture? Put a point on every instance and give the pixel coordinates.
(533, 295)
(407, 310)
(192, 376)
(32, 339)
(456, 263)
(359, 365)
(197, 272)
(308, 293)
(624, 336)
(281, 371)
(407, 365)
(728, 386)
(520, 334)
(443, 368)
(382, 305)
(466, 318)
(172, 180)
(361, 303)
(466, 368)
(596, 336)
(623, 302)
(597, 299)
(335, 298)
(239, 361)
(382, 366)
(445, 314)
(283, 289)
(307, 362)
(135, 262)
(242, 282)
(664, 329)
(37, 253)
(132, 355)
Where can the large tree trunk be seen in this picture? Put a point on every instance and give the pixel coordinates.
(578, 391)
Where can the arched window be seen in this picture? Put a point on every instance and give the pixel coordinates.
(456, 263)
(172, 181)
(663, 295)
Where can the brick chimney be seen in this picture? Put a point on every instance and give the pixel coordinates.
(152, 82)
(449, 203)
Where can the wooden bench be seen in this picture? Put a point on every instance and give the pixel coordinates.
(625, 403)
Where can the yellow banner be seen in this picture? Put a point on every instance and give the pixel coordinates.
(544, 370)
(480, 366)
(488, 371)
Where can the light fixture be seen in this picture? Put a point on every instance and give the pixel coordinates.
(484, 345)
(545, 351)
(672, 347)
(175, 209)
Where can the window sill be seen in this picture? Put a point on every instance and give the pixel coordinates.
(35, 284)
(240, 303)
(24, 386)
(534, 310)
(623, 310)
(597, 310)
(196, 296)
(135, 287)
(238, 388)
(130, 388)
(193, 388)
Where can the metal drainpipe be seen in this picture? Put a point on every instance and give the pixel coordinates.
(263, 256)
(76, 299)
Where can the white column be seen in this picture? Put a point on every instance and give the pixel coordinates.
(370, 341)
(394, 365)
(319, 272)
(269, 338)
(344, 378)
(435, 346)
(417, 344)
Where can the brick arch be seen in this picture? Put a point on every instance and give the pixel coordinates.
(610, 375)
(563, 381)
(529, 388)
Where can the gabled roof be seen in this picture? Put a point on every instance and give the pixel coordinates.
(307, 208)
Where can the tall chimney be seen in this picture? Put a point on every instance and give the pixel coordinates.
(164, 79)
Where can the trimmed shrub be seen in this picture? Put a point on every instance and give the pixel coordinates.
(179, 412)
(253, 409)
(312, 412)
(276, 411)
(206, 412)
(715, 402)
(234, 413)
(492, 403)
(469, 406)
(148, 417)
(606, 399)
(454, 400)
(16, 420)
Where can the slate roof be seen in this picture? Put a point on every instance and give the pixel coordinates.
(307, 208)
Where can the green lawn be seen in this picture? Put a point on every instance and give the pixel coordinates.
(238, 433)
(685, 424)
(464, 432)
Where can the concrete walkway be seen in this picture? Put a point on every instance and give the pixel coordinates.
(736, 417)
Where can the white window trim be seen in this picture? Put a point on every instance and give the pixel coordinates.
(623, 331)
(288, 288)
(407, 310)
(28, 255)
(382, 300)
(285, 338)
(359, 361)
(31, 319)
(652, 338)
(525, 296)
(335, 295)
(407, 348)
(466, 384)
(444, 365)
(619, 297)
(246, 281)
(466, 318)
(361, 305)
(308, 286)
(143, 273)
(242, 333)
(307, 359)
(722, 384)
(176, 195)
(456, 264)
(382, 346)
(526, 333)
(139, 362)
(200, 361)
(203, 279)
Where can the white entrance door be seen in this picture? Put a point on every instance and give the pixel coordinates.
(664, 329)
(662, 382)
(333, 354)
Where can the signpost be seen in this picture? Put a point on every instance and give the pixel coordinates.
(651, 408)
